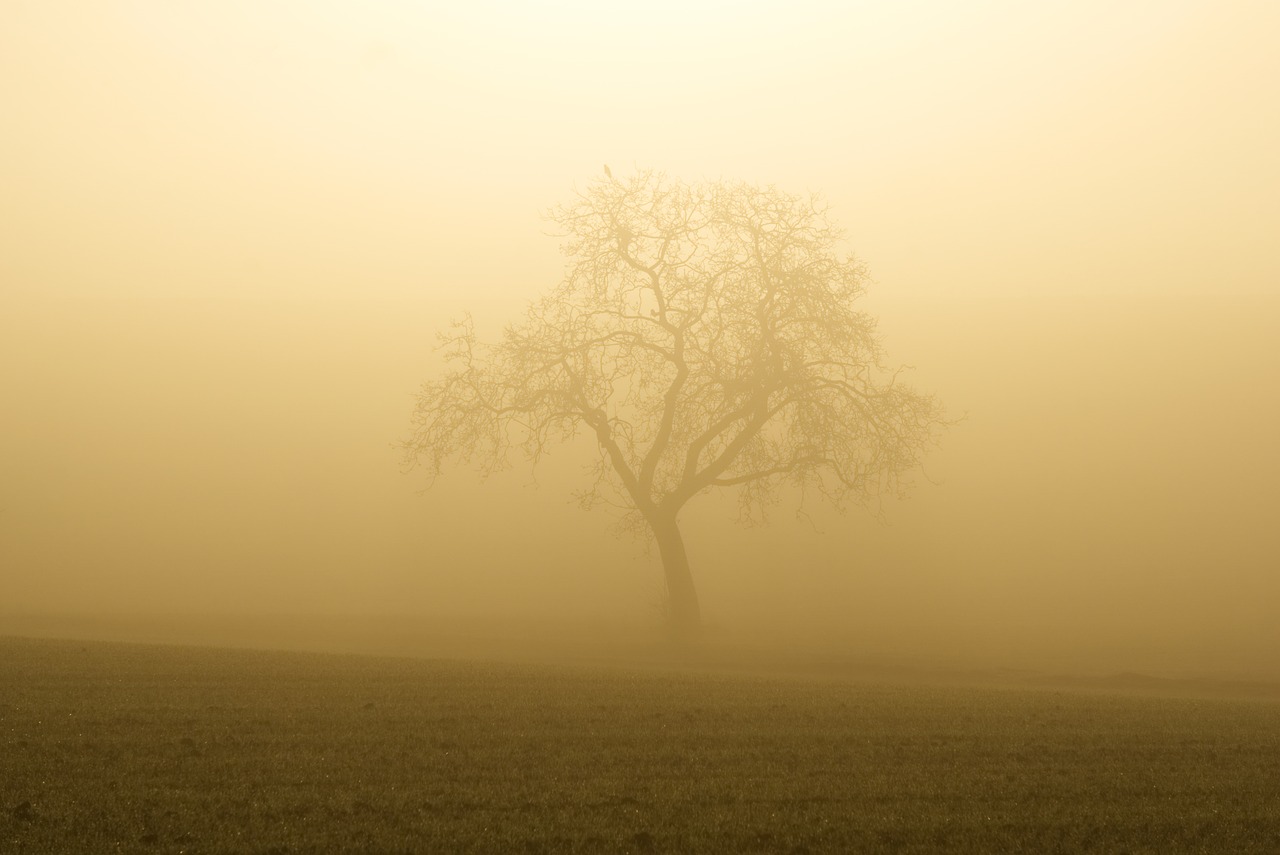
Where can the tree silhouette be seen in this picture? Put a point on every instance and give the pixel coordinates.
(705, 335)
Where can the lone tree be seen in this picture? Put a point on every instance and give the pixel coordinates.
(705, 335)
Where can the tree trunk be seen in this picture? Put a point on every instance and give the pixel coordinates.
(682, 599)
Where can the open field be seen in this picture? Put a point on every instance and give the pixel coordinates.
(116, 747)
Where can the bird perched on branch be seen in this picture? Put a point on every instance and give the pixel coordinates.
(608, 173)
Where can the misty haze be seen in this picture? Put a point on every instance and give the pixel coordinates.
(890, 422)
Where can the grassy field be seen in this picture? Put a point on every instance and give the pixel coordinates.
(116, 747)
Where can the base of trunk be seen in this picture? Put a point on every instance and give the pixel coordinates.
(684, 615)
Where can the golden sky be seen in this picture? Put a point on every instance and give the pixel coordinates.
(229, 231)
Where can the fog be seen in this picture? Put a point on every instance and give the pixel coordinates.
(229, 233)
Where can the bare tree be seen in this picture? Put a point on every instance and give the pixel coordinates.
(705, 335)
